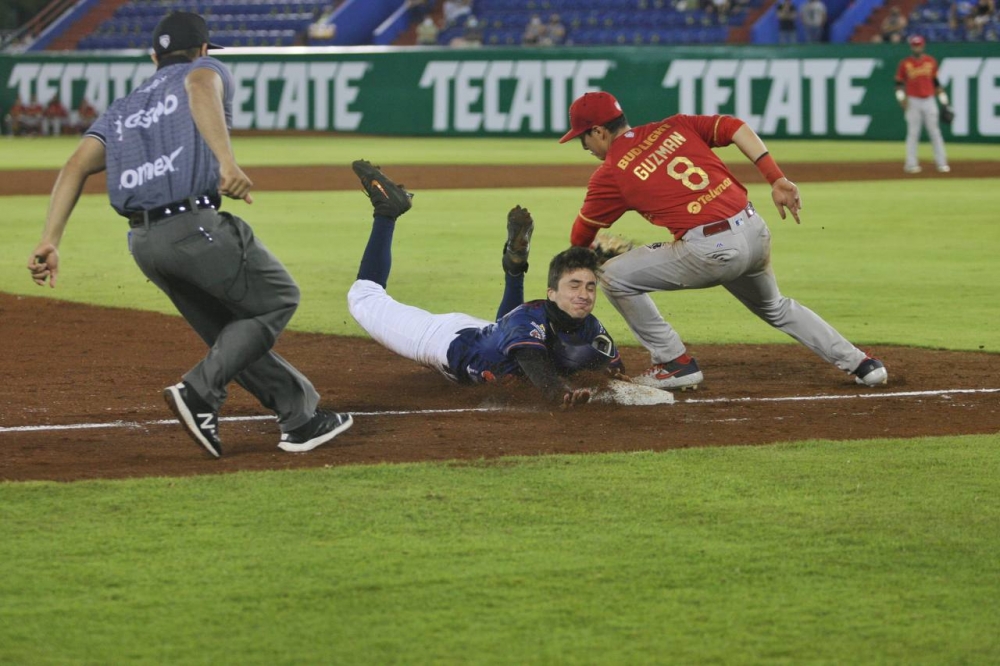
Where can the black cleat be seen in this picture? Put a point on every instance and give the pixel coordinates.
(199, 420)
(388, 198)
(520, 226)
(320, 429)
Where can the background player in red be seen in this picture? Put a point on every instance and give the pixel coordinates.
(32, 116)
(668, 173)
(56, 117)
(917, 86)
(86, 114)
(13, 118)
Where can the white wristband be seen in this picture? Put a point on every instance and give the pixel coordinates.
(900, 95)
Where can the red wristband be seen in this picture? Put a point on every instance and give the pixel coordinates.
(768, 168)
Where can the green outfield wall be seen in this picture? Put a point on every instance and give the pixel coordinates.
(785, 92)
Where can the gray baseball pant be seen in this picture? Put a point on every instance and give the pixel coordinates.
(922, 113)
(740, 261)
(238, 297)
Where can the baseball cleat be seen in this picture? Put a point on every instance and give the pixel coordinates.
(520, 226)
(682, 374)
(320, 429)
(912, 169)
(944, 168)
(871, 372)
(388, 198)
(200, 421)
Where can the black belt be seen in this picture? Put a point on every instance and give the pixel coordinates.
(146, 217)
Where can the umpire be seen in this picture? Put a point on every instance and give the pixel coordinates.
(169, 160)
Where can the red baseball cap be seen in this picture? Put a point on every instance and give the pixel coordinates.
(590, 110)
(917, 40)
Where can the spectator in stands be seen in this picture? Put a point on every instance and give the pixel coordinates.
(12, 121)
(894, 26)
(982, 15)
(473, 33)
(555, 32)
(427, 32)
(32, 116)
(959, 13)
(814, 20)
(787, 15)
(721, 9)
(418, 10)
(86, 114)
(455, 12)
(533, 32)
(55, 118)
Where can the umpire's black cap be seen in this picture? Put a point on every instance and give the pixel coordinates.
(179, 31)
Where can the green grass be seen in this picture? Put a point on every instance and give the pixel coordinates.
(51, 153)
(821, 552)
(880, 551)
(914, 268)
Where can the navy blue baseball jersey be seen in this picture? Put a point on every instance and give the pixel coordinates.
(480, 355)
(154, 152)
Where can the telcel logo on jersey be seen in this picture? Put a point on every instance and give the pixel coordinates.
(147, 117)
(132, 178)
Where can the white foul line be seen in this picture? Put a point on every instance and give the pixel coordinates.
(800, 398)
(420, 412)
(143, 424)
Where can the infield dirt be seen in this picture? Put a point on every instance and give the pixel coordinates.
(76, 364)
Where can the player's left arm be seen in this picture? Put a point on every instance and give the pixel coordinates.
(86, 160)
(784, 192)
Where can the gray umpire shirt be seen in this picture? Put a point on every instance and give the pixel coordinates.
(154, 152)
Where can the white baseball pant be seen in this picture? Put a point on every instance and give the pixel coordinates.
(407, 330)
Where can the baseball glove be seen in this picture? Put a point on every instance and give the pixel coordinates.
(946, 115)
(608, 246)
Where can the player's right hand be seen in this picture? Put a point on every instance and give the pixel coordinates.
(578, 396)
(44, 264)
(233, 183)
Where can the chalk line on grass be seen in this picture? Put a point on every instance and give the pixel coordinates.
(466, 410)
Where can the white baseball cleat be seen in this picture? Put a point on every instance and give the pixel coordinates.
(680, 374)
(912, 169)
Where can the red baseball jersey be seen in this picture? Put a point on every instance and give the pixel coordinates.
(668, 173)
(918, 75)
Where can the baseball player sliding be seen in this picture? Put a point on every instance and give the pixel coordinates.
(546, 340)
(668, 172)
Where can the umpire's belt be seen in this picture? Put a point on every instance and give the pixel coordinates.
(712, 228)
(146, 217)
